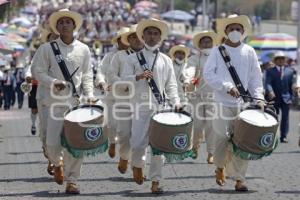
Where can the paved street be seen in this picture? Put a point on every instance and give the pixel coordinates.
(23, 172)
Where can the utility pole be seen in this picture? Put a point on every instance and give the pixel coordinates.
(203, 14)
(298, 38)
(277, 15)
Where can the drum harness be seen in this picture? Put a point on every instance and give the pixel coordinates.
(63, 67)
(236, 79)
(152, 84)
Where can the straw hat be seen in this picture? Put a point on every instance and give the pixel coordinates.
(278, 54)
(179, 48)
(44, 35)
(7, 67)
(124, 37)
(122, 31)
(234, 19)
(162, 26)
(65, 13)
(199, 36)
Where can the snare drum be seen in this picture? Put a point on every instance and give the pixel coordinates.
(170, 134)
(255, 133)
(83, 133)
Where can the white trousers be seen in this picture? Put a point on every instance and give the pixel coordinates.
(111, 122)
(203, 117)
(124, 123)
(139, 142)
(43, 115)
(223, 156)
(55, 151)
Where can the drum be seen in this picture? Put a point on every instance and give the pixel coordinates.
(170, 134)
(83, 133)
(255, 133)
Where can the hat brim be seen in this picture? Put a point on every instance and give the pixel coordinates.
(241, 19)
(199, 36)
(179, 48)
(162, 26)
(124, 37)
(44, 35)
(57, 15)
(124, 30)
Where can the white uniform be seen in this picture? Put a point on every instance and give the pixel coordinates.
(123, 119)
(42, 108)
(102, 77)
(180, 78)
(46, 70)
(145, 105)
(216, 74)
(200, 101)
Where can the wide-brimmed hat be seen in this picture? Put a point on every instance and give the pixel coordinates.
(20, 66)
(199, 36)
(124, 37)
(7, 67)
(234, 19)
(44, 35)
(65, 13)
(279, 54)
(161, 25)
(122, 31)
(180, 47)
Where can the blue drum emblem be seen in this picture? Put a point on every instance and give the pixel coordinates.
(180, 141)
(93, 134)
(267, 140)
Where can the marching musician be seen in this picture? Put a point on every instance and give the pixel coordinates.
(76, 56)
(123, 118)
(227, 96)
(200, 95)
(101, 83)
(179, 55)
(38, 97)
(160, 69)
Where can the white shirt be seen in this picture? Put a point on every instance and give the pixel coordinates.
(118, 64)
(180, 78)
(196, 63)
(76, 55)
(163, 74)
(105, 64)
(245, 61)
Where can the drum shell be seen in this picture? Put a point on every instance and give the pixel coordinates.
(74, 132)
(161, 136)
(247, 137)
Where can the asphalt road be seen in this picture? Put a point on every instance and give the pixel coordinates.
(23, 171)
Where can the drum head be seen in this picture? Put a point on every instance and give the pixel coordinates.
(84, 113)
(258, 118)
(172, 118)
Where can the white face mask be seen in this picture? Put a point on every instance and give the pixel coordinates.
(152, 48)
(206, 51)
(179, 61)
(235, 36)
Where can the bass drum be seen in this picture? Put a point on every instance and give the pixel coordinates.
(170, 134)
(83, 133)
(255, 133)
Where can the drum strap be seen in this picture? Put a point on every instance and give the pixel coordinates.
(234, 75)
(152, 84)
(63, 67)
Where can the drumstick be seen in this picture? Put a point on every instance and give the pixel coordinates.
(267, 102)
